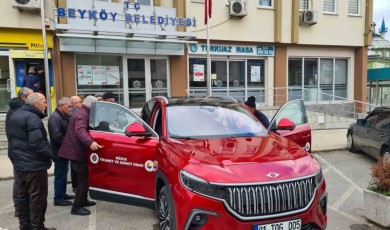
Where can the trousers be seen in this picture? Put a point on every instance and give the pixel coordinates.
(32, 196)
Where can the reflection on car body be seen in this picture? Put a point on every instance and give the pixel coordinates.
(371, 134)
(207, 162)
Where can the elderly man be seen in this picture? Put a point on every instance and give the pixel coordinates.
(76, 104)
(32, 158)
(75, 147)
(58, 124)
(14, 104)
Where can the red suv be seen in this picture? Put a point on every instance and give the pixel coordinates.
(208, 163)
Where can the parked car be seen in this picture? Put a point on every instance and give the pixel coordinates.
(371, 134)
(207, 163)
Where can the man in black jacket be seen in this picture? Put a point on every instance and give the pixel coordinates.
(32, 158)
(14, 104)
(58, 123)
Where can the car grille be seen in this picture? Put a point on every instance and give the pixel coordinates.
(270, 199)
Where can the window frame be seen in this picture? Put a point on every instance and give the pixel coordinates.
(358, 7)
(271, 6)
(334, 7)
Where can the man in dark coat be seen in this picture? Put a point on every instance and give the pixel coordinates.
(14, 104)
(32, 158)
(75, 147)
(251, 103)
(58, 124)
(31, 80)
(40, 72)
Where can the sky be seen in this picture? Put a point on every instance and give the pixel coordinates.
(382, 10)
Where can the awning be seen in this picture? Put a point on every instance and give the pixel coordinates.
(24, 38)
(381, 74)
(122, 41)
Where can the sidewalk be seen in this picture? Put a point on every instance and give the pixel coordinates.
(322, 140)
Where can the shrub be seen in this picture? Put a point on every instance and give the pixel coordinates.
(381, 177)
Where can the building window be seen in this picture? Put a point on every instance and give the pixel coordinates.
(303, 4)
(330, 6)
(99, 74)
(353, 7)
(317, 79)
(232, 78)
(265, 3)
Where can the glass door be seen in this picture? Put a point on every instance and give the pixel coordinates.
(147, 78)
(5, 84)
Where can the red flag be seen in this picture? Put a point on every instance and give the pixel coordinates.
(207, 10)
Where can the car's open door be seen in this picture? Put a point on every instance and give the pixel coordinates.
(295, 111)
(125, 167)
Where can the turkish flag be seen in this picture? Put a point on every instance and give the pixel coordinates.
(207, 10)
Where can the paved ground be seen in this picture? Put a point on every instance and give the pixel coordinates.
(346, 174)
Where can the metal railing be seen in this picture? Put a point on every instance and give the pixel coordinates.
(315, 100)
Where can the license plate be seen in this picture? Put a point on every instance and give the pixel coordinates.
(285, 225)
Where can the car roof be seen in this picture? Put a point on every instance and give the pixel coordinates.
(197, 100)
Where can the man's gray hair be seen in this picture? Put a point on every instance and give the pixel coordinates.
(24, 92)
(88, 101)
(34, 97)
(64, 100)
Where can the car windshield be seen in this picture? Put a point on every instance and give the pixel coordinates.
(211, 121)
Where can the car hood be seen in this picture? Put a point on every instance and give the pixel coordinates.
(245, 160)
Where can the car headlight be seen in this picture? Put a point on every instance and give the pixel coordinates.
(200, 186)
(318, 178)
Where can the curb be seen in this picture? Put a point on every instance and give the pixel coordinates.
(12, 177)
(328, 150)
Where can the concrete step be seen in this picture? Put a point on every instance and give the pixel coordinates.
(3, 142)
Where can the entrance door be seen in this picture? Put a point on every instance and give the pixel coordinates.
(148, 78)
(5, 83)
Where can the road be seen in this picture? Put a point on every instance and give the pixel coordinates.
(346, 175)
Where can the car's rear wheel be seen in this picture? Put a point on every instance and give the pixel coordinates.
(350, 144)
(166, 211)
(386, 154)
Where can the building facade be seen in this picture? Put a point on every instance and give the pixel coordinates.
(21, 45)
(272, 49)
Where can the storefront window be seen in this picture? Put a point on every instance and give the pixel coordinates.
(5, 94)
(137, 90)
(99, 74)
(329, 84)
(158, 69)
(341, 76)
(228, 78)
(295, 78)
(326, 76)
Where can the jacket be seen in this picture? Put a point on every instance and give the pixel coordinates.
(31, 81)
(14, 104)
(262, 118)
(58, 124)
(29, 144)
(77, 140)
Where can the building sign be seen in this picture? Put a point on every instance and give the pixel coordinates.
(132, 14)
(232, 50)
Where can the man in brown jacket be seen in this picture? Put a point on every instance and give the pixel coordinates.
(75, 147)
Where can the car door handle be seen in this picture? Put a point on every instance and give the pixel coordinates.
(368, 131)
(382, 135)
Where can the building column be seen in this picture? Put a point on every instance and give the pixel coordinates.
(360, 79)
(179, 74)
(280, 79)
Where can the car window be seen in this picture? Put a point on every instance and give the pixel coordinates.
(372, 118)
(147, 111)
(294, 111)
(111, 117)
(383, 120)
(211, 121)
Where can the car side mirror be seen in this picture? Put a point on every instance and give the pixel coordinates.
(285, 124)
(136, 129)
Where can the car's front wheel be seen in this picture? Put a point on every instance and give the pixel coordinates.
(166, 210)
(350, 144)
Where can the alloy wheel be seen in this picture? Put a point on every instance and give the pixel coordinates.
(164, 214)
(349, 141)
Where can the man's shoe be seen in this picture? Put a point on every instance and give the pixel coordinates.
(80, 212)
(63, 203)
(50, 228)
(89, 203)
(69, 197)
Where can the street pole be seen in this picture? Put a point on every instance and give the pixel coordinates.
(208, 51)
(45, 59)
